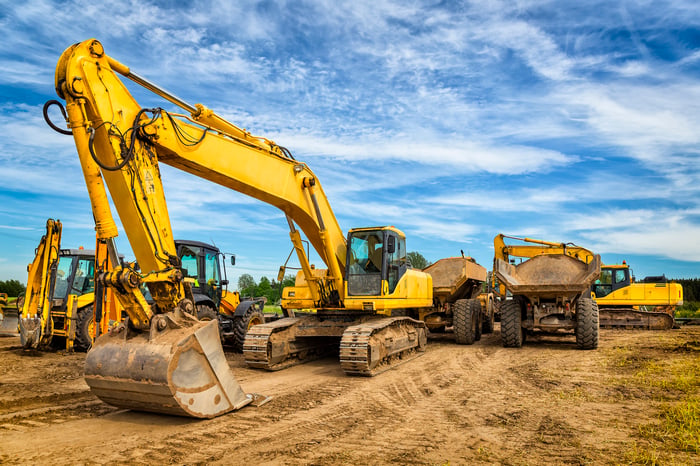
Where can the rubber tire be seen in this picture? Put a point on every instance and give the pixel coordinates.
(512, 332)
(488, 318)
(241, 324)
(475, 305)
(587, 324)
(205, 312)
(463, 321)
(83, 340)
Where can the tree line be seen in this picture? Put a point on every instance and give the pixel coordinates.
(12, 287)
(270, 289)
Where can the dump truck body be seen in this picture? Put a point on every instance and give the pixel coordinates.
(458, 301)
(549, 291)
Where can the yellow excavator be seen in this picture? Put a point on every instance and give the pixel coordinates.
(625, 303)
(162, 358)
(57, 309)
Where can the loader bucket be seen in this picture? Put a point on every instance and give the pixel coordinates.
(9, 322)
(180, 370)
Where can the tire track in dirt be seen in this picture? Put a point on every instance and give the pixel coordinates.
(544, 403)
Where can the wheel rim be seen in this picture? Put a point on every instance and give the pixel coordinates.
(254, 321)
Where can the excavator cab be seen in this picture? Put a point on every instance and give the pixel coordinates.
(612, 278)
(376, 261)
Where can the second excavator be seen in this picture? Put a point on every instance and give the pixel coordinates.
(162, 358)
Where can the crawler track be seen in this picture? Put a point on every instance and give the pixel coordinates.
(272, 346)
(373, 347)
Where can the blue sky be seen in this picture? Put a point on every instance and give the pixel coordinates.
(454, 121)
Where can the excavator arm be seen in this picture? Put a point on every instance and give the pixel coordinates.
(122, 143)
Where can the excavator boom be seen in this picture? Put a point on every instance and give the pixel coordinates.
(161, 358)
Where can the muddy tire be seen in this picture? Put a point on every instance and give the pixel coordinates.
(241, 324)
(512, 333)
(587, 324)
(465, 321)
(487, 326)
(84, 325)
(475, 305)
(205, 312)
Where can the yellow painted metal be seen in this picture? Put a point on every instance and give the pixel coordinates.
(664, 295)
(164, 360)
(414, 290)
(535, 247)
(34, 317)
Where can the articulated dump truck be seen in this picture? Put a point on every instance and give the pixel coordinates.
(550, 290)
(458, 301)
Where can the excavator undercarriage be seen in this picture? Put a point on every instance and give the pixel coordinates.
(368, 344)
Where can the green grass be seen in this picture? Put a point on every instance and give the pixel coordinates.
(667, 378)
(271, 309)
(678, 426)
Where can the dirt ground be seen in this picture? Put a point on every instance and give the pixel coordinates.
(547, 403)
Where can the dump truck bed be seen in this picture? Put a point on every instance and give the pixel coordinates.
(455, 277)
(548, 275)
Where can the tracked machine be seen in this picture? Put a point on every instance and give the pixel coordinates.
(163, 358)
(625, 303)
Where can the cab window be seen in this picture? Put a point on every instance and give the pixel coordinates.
(396, 263)
(365, 263)
(189, 262)
(620, 276)
(84, 282)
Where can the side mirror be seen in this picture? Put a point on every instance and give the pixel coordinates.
(233, 259)
(224, 282)
(391, 245)
(280, 274)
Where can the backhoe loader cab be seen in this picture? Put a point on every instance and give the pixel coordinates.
(206, 273)
(202, 269)
(75, 275)
(71, 294)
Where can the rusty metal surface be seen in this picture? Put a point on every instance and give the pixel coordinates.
(548, 275)
(179, 370)
(634, 319)
(451, 277)
(380, 344)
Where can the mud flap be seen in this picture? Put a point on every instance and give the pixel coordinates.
(180, 370)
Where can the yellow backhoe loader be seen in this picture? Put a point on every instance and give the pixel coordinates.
(206, 274)
(549, 288)
(57, 309)
(624, 303)
(9, 322)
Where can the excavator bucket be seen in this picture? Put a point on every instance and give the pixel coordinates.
(9, 320)
(178, 370)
